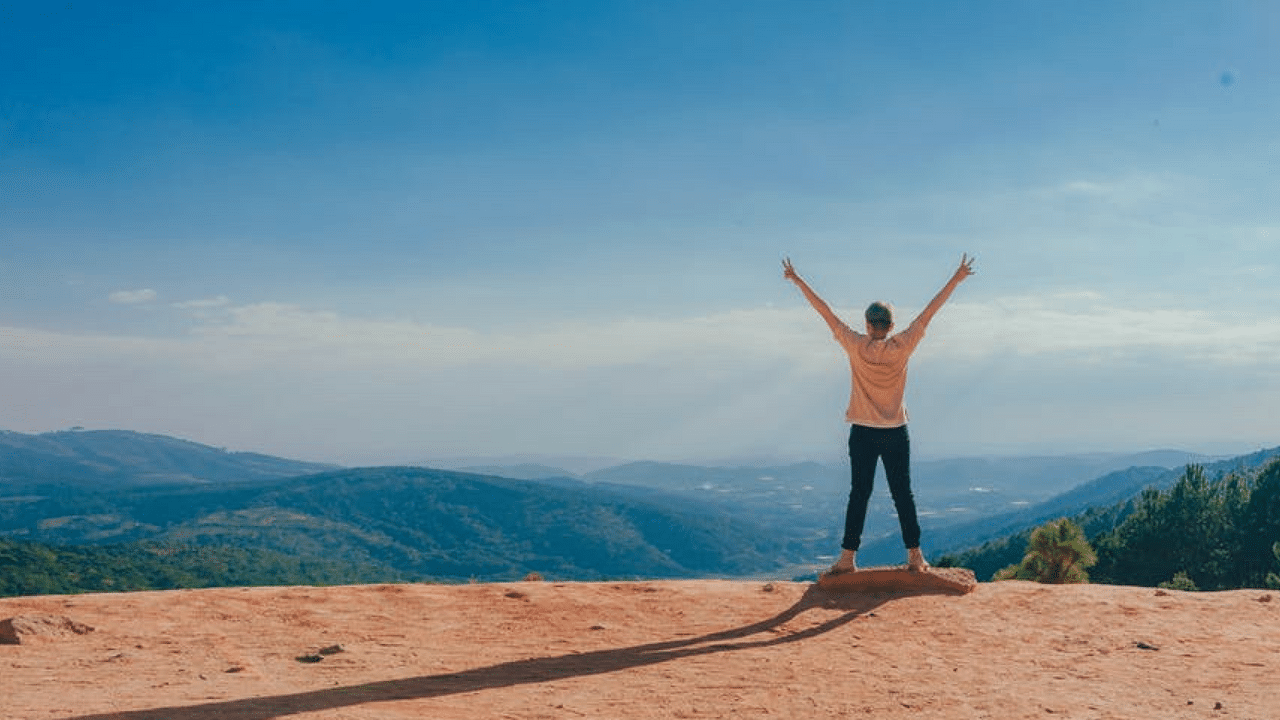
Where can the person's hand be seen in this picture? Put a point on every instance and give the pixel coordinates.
(966, 267)
(789, 272)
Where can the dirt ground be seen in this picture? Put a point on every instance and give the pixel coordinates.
(684, 649)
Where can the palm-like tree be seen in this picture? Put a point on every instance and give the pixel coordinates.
(1057, 553)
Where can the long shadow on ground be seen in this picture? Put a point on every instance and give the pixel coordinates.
(521, 672)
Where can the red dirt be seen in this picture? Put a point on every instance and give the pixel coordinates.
(686, 649)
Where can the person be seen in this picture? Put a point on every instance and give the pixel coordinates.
(877, 413)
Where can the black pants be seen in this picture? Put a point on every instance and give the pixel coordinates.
(866, 446)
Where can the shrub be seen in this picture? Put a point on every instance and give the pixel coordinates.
(1057, 553)
(1180, 581)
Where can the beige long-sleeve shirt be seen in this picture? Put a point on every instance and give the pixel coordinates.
(879, 374)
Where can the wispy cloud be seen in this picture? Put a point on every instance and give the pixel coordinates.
(1074, 326)
(204, 303)
(284, 330)
(29, 345)
(132, 297)
(1120, 190)
(749, 380)
(1094, 327)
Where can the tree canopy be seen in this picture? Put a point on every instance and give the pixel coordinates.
(1206, 533)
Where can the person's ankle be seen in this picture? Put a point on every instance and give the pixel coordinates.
(915, 559)
(847, 562)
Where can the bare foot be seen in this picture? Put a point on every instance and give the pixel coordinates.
(841, 568)
(916, 561)
(846, 563)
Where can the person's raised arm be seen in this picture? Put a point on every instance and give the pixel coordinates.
(962, 272)
(818, 303)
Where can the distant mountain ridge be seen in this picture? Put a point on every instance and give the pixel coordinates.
(123, 458)
(519, 471)
(1101, 493)
(638, 519)
(807, 499)
(1037, 477)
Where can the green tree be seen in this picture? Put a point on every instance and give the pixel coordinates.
(1191, 528)
(1199, 533)
(1057, 553)
(1273, 580)
(1260, 527)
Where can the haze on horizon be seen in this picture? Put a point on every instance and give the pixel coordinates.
(383, 232)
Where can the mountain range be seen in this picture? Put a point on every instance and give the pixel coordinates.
(118, 488)
(806, 500)
(1101, 493)
(109, 459)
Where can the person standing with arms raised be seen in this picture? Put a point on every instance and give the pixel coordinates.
(877, 412)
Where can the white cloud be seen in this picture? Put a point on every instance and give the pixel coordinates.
(44, 347)
(287, 378)
(204, 303)
(1070, 327)
(1122, 190)
(280, 330)
(132, 297)
(1093, 327)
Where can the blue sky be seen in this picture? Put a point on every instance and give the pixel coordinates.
(383, 232)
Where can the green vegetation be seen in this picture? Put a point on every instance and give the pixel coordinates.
(1180, 581)
(112, 510)
(1273, 579)
(37, 569)
(1202, 533)
(995, 555)
(1057, 553)
(419, 522)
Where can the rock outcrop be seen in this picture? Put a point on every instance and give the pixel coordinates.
(22, 628)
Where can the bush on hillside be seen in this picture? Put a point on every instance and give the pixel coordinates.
(1057, 553)
(1210, 534)
(1180, 581)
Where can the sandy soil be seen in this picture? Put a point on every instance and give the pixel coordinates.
(688, 649)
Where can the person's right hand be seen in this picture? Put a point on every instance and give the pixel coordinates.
(789, 272)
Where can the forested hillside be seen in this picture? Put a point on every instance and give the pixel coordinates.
(38, 569)
(192, 515)
(421, 523)
(1209, 532)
